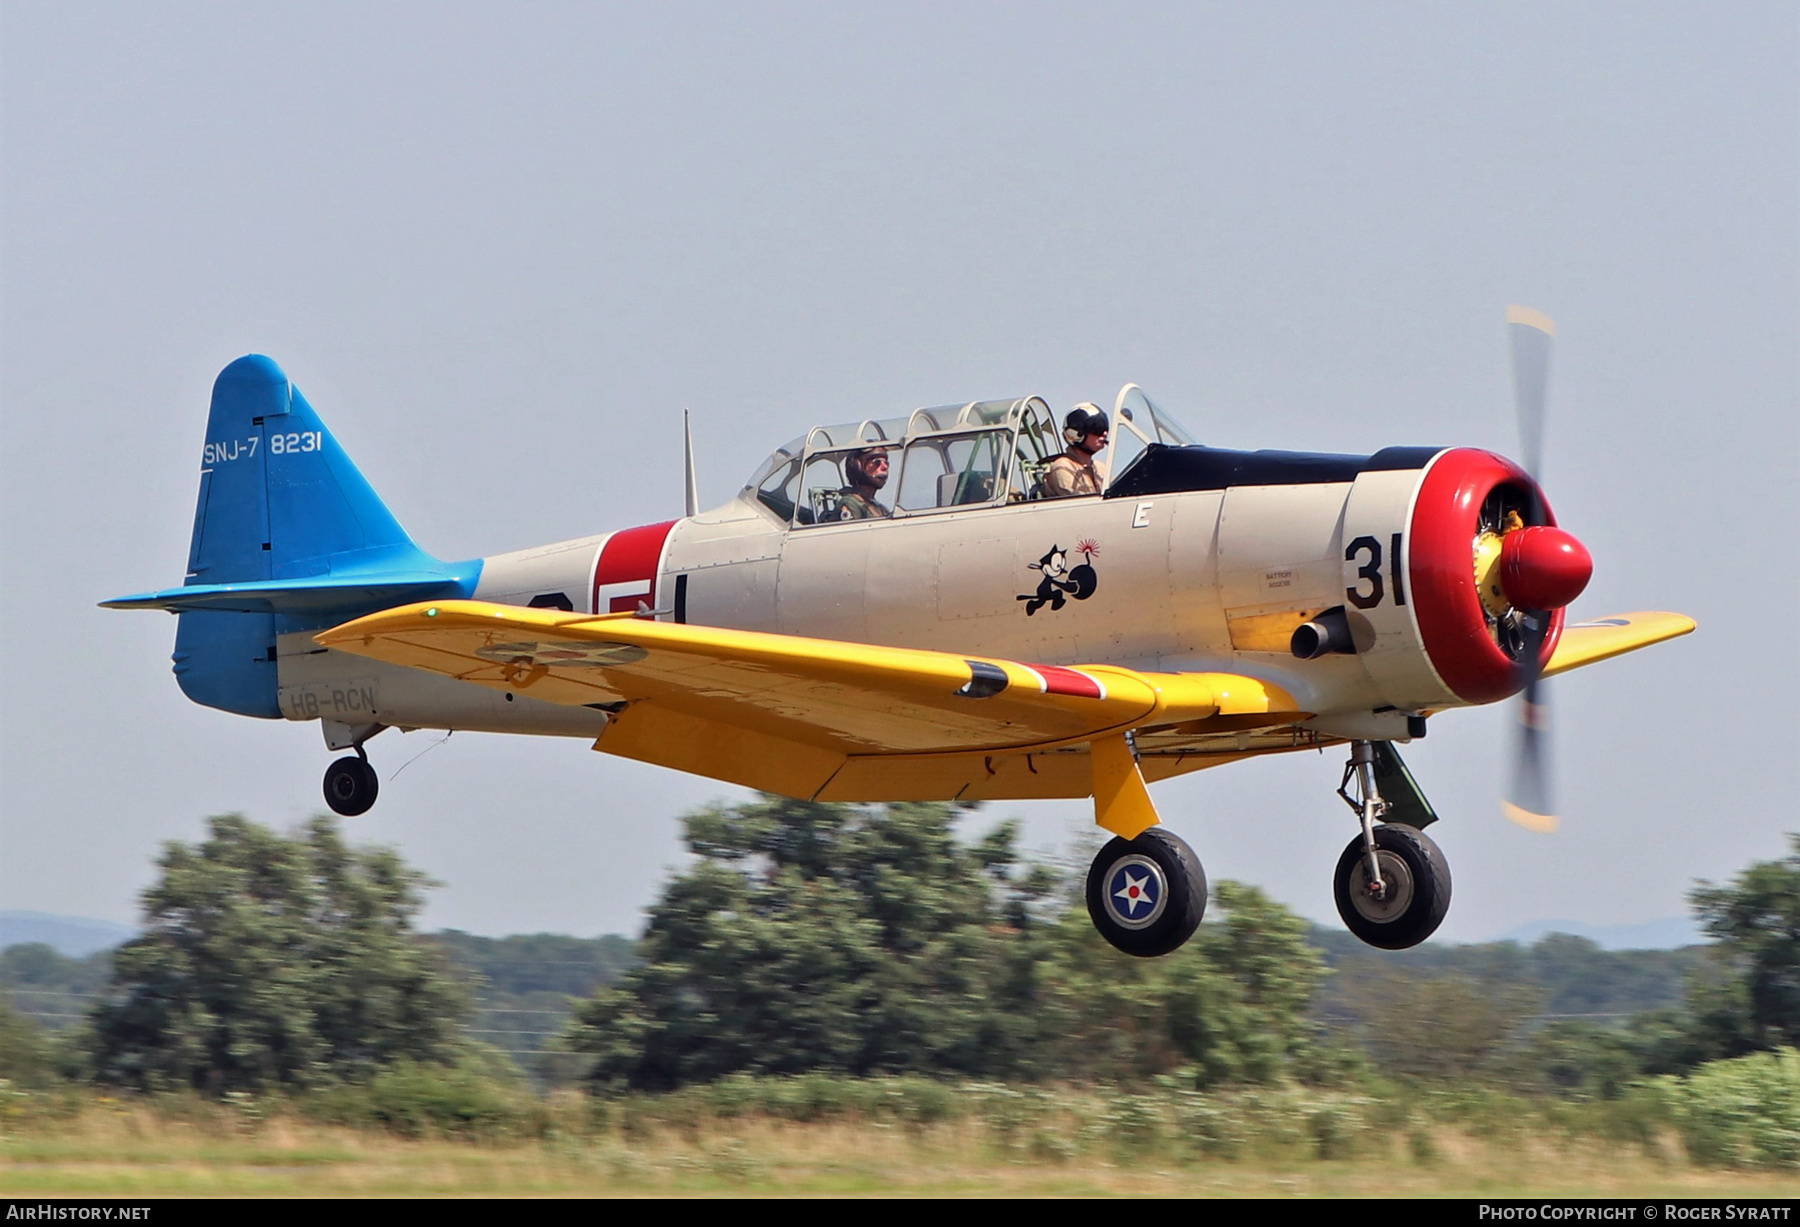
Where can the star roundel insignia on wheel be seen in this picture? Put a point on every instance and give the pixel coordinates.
(1135, 891)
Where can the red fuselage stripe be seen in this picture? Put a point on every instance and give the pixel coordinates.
(630, 555)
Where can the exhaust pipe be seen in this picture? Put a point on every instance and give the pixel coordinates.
(1328, 633)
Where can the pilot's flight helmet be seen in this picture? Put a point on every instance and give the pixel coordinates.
(857, 461)
(1085, 419)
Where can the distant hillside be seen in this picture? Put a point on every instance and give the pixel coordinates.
(1669, 933)
(49, 987)
(75, 936)
(1572, 976)
(525, 985)
(539, 962)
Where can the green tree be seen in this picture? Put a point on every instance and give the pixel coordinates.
(537, 963)
(1578, 977)
(1742, 992)
(527, 986)
(25, 1057)
(1447, 1025)
(867, 940)
(50, 988)
(275, 961)
(1756, 921)
(1231, 1004)
(829, 937)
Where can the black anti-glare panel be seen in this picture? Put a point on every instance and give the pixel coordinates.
(1162, 469)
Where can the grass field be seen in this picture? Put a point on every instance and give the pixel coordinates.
(136, 1148)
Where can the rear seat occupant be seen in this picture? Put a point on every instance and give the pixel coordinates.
(867, 470)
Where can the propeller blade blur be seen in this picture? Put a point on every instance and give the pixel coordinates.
(1531, 332)
(1528, 800)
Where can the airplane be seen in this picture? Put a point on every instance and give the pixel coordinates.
(950, 634)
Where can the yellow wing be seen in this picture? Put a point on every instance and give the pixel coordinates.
(821, 718)
(1596, 639)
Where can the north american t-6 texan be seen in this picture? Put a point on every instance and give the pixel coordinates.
(982, 601)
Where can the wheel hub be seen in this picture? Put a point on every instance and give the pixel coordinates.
(1396, 895)
(1136, 892)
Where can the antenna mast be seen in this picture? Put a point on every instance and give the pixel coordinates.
(687, 432)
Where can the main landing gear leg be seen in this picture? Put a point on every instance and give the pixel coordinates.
(350, 783)
(1146, 890)
(1368, 807)
(1392, 882)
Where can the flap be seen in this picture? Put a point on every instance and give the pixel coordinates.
(849, 698)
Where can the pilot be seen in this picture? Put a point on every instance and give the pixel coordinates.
(867, 470)
(1073, 472)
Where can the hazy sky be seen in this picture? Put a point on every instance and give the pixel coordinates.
(501, 247)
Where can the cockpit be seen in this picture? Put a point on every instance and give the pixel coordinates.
(982, 454)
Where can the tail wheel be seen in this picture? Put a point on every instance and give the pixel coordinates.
(1147, 895)
(351, 786)
(1416, 878)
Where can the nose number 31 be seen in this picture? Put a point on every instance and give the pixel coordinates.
(1369, 571)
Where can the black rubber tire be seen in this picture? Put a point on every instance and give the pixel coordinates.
(1175, 912)
(1418, 873)
(351, 786)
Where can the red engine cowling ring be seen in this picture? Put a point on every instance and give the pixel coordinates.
(1446, 520)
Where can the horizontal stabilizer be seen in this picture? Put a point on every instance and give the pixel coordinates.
(316, 595)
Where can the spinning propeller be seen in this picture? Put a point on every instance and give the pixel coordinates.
(1529, 569)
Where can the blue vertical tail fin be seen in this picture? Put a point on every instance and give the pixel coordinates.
(288, 536)
(279, 499)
